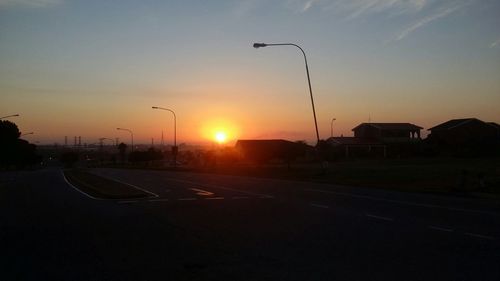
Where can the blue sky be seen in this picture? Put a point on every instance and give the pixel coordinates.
(87, 67)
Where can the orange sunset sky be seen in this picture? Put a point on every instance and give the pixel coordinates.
(84, 68)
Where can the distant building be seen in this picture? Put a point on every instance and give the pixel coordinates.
(377, 139)
(388, 132)
(262, 151)
(458, 132)
(352, 145)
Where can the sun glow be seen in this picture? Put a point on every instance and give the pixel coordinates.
(220, 137)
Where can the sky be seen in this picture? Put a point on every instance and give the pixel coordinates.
(84, 68)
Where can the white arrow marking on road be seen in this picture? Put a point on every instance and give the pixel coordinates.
(202, 192)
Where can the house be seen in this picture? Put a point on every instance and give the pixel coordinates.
(378, 140)
(459, 132)
(388, 132)
(353, 145)
(261, 151)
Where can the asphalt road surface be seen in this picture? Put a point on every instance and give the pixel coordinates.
(213, 227)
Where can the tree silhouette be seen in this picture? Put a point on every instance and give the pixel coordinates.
(14, 151)
(122, 148)
(9, 132)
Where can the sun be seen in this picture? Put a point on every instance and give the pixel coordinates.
(220, 137)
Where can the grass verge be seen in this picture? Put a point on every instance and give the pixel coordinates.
(103, 188)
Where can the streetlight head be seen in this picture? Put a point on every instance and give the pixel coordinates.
(154, 107)
(259, 45)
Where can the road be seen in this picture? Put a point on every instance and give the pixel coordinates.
(214, 227)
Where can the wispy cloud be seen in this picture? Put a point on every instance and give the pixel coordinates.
(495, 44)
(441, 13)
(356, 8)
(29, 3)
(426, 20)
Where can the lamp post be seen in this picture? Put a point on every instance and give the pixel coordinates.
(13, 115)
(331, 127)
(260, 45)
(175, 150)
(131, 135)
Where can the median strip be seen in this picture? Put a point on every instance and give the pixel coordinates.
(98, 187)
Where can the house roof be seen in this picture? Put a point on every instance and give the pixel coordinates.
(494, 125)
(452, 124)
(258, 142)
(353, 141)
(391, 126)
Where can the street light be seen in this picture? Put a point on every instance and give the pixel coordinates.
(14, 115)
(174, 149)
(331, 127)
(260, 45)
(131, 135)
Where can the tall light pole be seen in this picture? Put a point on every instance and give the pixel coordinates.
(331, 127)
(260, 45)
(13, 115)
(131, 135)
(175, 150)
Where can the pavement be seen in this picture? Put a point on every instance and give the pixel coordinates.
(215, 227)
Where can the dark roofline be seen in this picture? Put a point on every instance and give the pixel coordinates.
(381, 125)
(450, 124)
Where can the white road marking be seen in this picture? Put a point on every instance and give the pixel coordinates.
(74, 187)
(222, 187)
(214, 198)
(131, 185)
(320, 206)
(202, 192)
(480, 236)
(439, 228)
(186, 199)
(158, 200)
(379, 217)
(401, 202)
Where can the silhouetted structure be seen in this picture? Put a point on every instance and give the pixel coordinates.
(468, 136)
(353, 146)
(388, 132)
(262, 151)
(377, 140)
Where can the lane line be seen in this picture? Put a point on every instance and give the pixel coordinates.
(214, 198)
(401, 202)
(186, 199)
(379, 217)
(202, 192)
(319, 206)
(131, 185)
(74, 187)
(479, 236)
(439, 228)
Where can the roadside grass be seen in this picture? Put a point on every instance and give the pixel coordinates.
(102, 188)
(428, 175)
